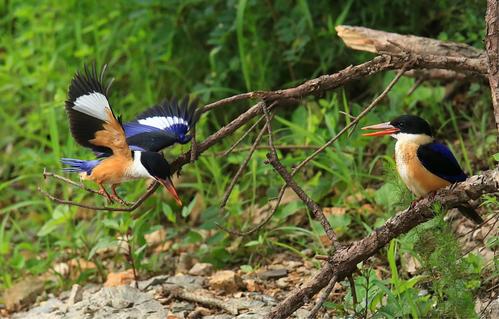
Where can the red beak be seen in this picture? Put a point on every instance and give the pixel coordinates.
(383, 129)
(167, 183)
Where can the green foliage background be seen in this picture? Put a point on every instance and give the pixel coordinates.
(212, 49)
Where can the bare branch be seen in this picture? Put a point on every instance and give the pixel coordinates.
(492, 46)
(322, 299)
(242, 167)
(312, 206)
(370, 40)
(344, 261)
(134, 206)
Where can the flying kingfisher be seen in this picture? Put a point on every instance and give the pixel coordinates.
(422, 163)
(124, 152)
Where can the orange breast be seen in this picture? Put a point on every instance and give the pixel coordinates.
(417, 178)
(111, 170)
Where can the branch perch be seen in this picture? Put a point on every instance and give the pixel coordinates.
(344, 261)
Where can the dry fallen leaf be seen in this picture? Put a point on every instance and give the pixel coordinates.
(334, 211)
(115, 279)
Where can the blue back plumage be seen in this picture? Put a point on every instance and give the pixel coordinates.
(439, 160)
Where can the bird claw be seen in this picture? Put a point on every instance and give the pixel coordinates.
(106, 195)
(120, 200)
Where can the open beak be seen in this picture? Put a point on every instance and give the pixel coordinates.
(167, 183)
(382, 129)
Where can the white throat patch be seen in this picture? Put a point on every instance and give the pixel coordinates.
(137, 170)
(412, 138)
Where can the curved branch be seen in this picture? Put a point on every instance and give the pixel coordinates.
(344, 261)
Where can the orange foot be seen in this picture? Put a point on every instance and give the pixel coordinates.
(117, 198)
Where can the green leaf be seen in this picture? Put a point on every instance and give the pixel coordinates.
(186, 211)
(170, 215)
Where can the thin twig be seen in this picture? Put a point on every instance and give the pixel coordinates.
(357, 119)
(47, 174)
(325, 294)
(312, 206)
(194, 152)
(129, 256)
(478, 226)
(230, 149)
(353, 290)
(137, 203)
(414, 87)
(289, 147)
(242, 167)
(180, 293)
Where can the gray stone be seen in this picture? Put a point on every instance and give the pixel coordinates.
(123, 302)
(186, 281)
(222, 316)
(152, 282)
(201, 269)
(181, 306)
(273, 274)
(75, 296)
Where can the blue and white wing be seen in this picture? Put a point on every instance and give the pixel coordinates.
(162, 125)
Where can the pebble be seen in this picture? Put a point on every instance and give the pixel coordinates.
(201, 269)
(273, 274)
(225, 280)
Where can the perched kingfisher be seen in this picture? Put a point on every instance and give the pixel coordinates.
(123, 152)
(423, 164)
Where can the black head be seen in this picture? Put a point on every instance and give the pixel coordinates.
(159, 169)
(408, 124)
(156, 165)
(412, 124)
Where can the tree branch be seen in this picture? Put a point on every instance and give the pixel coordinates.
(375, 41)
(492, 46)
(344, 261)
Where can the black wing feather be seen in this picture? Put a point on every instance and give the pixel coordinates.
(84, 126)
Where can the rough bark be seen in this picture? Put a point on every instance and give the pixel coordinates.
(365, 39)
(492, 46)
(344, 261)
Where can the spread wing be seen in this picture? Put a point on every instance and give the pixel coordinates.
(91, 119)
(439, 160)
(162, 125)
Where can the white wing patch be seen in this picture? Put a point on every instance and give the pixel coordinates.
(94, 104)
(163, 122)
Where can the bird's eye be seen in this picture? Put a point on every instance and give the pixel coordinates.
(401, 124)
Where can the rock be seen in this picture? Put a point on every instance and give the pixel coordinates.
(46, 309)
(293, 264)
(115, 279)
(282, 283)
(122, 302)
(225, 280)
(201, 269)
(150, 283)
(23, 292)
(75, 296)
(186, 281)
(181, 307)
(184, 263)
(273, 274)
(252, 285)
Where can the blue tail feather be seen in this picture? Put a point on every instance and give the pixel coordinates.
(79, 166)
